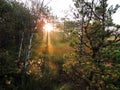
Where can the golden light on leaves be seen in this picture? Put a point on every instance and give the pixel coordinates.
(48, 27)
(8, 82)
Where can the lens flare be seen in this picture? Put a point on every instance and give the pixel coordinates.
(48, 27)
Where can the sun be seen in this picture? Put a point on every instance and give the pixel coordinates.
(48, 27)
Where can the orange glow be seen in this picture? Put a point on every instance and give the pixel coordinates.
(48, 27)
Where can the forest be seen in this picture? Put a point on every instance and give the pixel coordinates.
(40, 52)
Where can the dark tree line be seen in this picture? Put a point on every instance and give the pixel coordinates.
(15, 19)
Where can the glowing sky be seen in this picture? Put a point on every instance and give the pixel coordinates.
(116, 16)
(61, 8)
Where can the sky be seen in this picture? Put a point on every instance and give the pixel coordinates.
(61, 8)
(116, 16)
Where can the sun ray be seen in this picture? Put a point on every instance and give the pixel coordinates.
(48, 27)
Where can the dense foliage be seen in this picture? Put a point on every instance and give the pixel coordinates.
(97, 65)
(14, 20)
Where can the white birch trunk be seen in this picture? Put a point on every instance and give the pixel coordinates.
(29, 50)
(20, 48)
